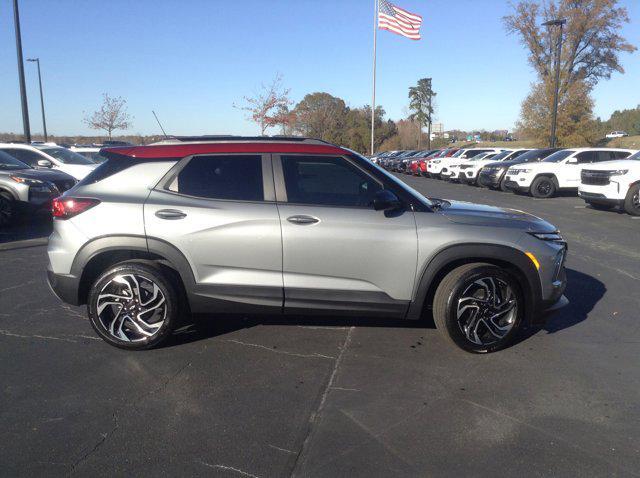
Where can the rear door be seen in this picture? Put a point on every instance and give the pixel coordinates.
(339, 254)
(219, 211)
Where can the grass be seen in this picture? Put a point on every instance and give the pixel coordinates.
(630, 142)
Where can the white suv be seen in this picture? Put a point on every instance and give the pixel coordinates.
(614, 183)
(437, 167)
(469, 171)
(561, 170)
(44, 155)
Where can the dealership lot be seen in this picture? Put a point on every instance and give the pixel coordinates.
(333, 398)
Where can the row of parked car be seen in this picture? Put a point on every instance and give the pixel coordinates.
(604, 178)
(32, 174)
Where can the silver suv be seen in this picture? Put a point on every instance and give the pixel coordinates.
(27, 189)
(291, 226)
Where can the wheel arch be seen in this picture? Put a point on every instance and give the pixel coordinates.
(103, 252)
(10, 191)
(453, 256)
(551, 176)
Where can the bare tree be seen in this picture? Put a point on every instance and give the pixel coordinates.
(268, 107)
(111, 116)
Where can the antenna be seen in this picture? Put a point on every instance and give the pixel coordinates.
(159, 124)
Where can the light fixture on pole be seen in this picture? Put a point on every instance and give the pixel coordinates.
(44, 121)
(556, 23)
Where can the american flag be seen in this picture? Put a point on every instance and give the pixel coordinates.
(399, 21)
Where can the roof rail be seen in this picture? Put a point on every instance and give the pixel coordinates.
(226, 137)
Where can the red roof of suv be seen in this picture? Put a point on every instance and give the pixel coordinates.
(257, 145)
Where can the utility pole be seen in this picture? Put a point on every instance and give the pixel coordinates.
(23, 90)
(554, 118)
(44, 121)
(429, 128)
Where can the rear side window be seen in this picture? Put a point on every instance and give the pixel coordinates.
(106, 169)
(233, 177)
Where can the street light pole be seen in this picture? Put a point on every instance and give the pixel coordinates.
(429, 128)
(44, 121)
(554, 119)
(23, 90)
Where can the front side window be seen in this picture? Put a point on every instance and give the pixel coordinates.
(8, 162)
(65, 156)
(586, 157)
(29, 157)
(237, 178)
(327, 181)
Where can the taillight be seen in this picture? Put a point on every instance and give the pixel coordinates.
(65, 208)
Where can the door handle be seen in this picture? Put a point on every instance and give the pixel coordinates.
(301, 220)
(171, 214)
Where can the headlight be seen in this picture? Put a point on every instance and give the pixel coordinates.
(27, 181)
(548, 236)
(436, 161)
(619, 172)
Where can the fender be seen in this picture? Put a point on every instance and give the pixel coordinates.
(12, 192)
(476, 252)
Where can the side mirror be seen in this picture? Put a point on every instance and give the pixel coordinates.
(384, 200)
(572, 161)
(44, 163)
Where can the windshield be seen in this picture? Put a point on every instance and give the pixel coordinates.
(635, 157)
(533, 155)
(458, 153)
(9, 162)
(501, 156)
(558, 156)
(65, 156)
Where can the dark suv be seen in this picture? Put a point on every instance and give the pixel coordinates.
(290, 226)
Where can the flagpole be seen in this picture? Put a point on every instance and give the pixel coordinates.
(373, 99)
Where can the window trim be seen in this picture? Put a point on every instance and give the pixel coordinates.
(268, 191)
(281, 187)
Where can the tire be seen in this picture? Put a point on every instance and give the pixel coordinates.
(632, 201)
(543, 187)
(600, 206)
(118, 284)
(503, 186)
(463, 291)
(7, 209)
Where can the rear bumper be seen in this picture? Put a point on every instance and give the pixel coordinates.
(65, 287)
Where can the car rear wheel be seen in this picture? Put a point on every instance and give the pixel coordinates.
(7, 209)
(632, 201)
(479, 307)
(133, 306)
(543, 187)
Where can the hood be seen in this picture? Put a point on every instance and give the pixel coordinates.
(612, 165)
(473, 214)
(78, 171)
(43, 174)
(535, 166)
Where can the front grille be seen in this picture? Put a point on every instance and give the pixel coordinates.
(595, 178)
(513, 172)
(466, 166)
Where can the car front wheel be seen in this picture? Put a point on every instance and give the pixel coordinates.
(632, 201)
(543, 187)
(133, 306)
(6, 209)
(479, 307)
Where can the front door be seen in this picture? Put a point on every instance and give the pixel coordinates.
(219, 211)
(339, 254)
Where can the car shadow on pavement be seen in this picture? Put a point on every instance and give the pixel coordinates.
(203, 327)
(583, 292)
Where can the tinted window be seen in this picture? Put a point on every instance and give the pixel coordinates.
(621, 155)
(473, 152)
(327, 181)
(586, 157)
(24, 155)
(9, 162)
(604, 156)
(106, 169)
(236, 178)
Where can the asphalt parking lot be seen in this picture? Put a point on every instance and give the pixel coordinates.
(269, 398)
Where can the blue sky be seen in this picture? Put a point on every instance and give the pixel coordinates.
(190, 60)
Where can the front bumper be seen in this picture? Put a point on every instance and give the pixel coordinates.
(489, 180)
(514, 186)
(612, 191)
(600, 198)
